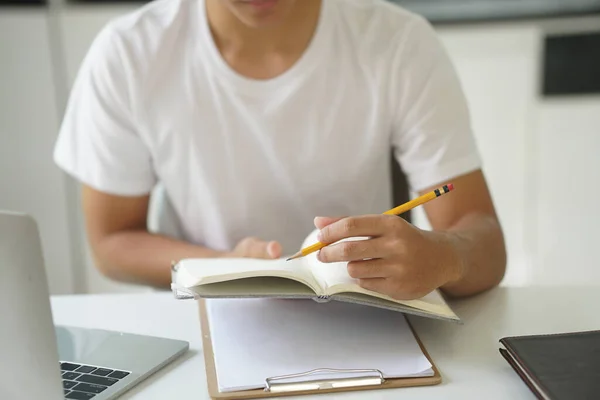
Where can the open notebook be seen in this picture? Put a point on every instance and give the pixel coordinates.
(305, 277)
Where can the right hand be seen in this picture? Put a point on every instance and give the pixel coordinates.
(252, 247)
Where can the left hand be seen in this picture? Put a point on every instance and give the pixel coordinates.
(398, 259)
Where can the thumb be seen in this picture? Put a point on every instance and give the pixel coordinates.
(273, 250)
(322, 222)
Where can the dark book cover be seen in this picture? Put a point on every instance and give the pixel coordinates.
(558, 366)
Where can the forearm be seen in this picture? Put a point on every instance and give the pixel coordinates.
(143, 258)
(478, 247)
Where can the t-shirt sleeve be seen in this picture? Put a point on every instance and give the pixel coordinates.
(99, 143)
(432, 135)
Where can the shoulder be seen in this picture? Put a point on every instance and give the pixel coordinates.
(153, 19)
(138, 38)
(381, 26)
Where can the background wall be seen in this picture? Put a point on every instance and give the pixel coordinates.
(540, 153)
(28, 120)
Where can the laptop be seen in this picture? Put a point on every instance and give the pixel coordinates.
(39, 360)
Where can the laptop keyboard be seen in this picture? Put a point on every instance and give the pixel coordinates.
(84, 382)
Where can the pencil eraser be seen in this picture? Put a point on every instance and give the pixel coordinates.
(450, 186)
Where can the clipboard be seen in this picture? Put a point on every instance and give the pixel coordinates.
(370, 379)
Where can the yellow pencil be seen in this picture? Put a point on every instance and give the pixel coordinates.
(394, 211)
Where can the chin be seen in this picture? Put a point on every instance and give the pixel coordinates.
(263, 13)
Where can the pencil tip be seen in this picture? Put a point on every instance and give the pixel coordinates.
(299, 254)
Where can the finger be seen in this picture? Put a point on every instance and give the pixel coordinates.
(366, 225)
(274, 249)
(322, 222)
(377, 268)
(353, 250)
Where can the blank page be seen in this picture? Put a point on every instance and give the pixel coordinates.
(198, 271)
(258, 338)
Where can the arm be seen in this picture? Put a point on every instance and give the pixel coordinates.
(124, 250)
(468, 219)
(122, 247)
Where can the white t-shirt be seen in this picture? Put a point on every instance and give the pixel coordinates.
(155, 102)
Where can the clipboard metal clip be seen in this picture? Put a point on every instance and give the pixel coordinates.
(321, 384)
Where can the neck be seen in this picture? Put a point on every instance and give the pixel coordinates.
(290, 36)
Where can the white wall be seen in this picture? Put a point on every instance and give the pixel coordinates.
(566, 168)
(28, 121)
(38, 63)
(567, 172)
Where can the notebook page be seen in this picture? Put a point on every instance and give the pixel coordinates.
(202, 271)
(259, 338)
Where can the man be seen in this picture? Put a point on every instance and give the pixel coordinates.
(258, 116)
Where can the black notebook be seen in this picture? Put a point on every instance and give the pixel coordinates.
(559, 366)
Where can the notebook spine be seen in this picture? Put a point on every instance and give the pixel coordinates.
(322, 299)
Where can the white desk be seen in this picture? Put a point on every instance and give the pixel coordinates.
(467, 355)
